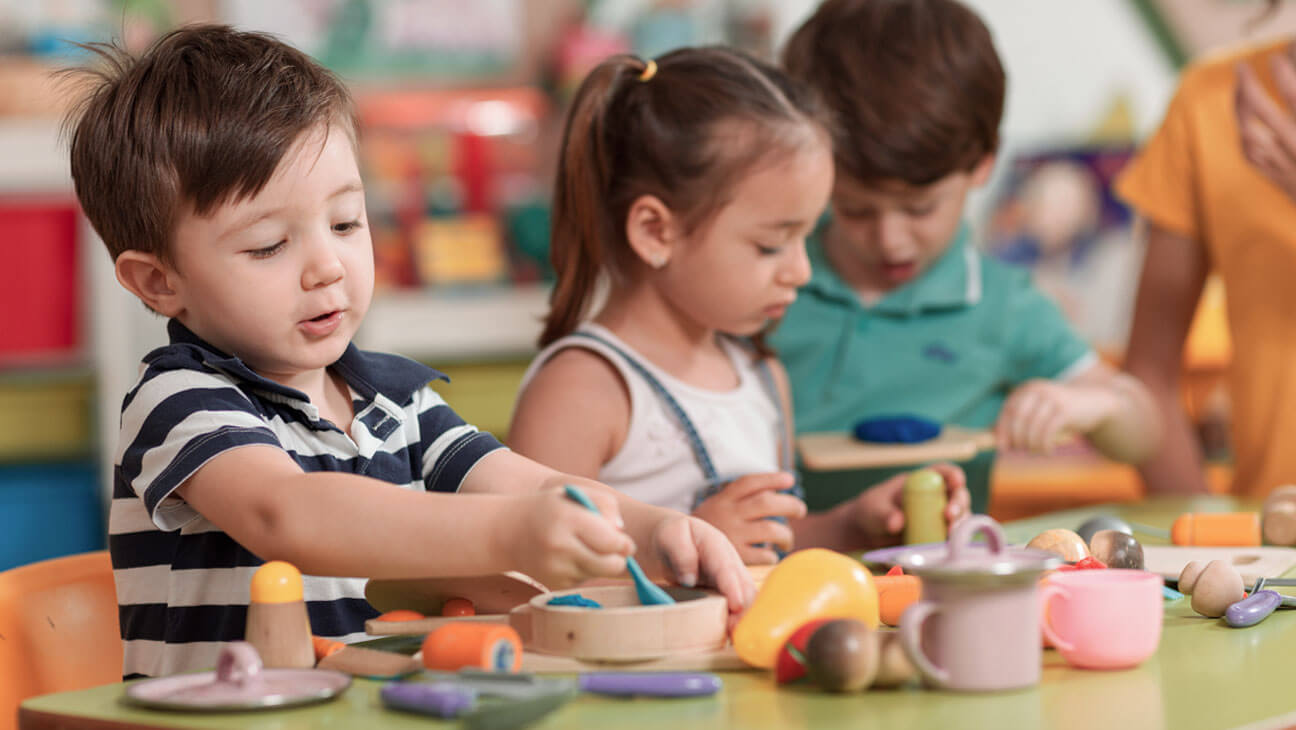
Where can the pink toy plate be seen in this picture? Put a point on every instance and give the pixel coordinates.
(239, 683)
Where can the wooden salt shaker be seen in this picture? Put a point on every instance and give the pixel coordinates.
(277, 624)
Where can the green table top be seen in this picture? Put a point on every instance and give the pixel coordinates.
(1204, 675)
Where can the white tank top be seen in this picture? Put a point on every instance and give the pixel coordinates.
(738, 427)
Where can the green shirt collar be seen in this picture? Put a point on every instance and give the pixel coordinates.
(952, 282)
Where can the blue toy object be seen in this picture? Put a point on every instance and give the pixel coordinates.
(574, 599)
(899, 429)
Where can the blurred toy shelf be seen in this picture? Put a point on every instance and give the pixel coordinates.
(491, 323)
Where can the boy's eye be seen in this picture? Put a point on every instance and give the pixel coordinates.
(766, 250)
(919, 211)
(268, 251)
(347, 227)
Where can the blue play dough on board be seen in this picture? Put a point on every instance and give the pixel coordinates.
(897, 429)
(574, 599)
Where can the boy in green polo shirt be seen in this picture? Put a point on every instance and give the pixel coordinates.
(903, 315)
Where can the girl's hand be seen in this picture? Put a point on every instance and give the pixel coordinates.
(560, 543)
(879, 512)
(1041, 414)
(695, 552)
(741, 511)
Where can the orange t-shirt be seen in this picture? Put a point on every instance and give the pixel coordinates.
(1192, 179)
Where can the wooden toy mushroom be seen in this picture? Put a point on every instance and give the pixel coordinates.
(1278, 516)
(1218, 587)
(1189, 575)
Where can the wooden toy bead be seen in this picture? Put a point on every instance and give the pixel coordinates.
(1063, 543)
(1278, 518)
(459, 644)
(842, 655)
(1117, 550)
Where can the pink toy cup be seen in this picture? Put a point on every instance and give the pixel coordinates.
(1104, 619)
(977, 626)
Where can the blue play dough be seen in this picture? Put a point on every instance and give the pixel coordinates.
(574, 599)
(897, 429)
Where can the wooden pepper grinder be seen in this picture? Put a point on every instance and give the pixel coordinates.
(277, 624)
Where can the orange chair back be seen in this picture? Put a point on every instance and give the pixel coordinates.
(58, 629)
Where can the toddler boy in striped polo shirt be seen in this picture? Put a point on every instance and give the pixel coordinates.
(220, 170)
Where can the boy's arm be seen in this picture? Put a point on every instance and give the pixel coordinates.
(1174, 272)
(332, 523)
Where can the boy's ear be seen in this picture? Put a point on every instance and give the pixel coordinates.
(145, 276)
(651, 230)
(982, 171)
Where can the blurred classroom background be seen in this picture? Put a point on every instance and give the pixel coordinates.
(460, 106)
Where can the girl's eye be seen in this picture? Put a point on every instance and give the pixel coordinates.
(344, 228)
(268, 251)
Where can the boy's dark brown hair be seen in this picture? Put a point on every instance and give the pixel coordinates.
(916, 86)
(684, 132)
(201, 119)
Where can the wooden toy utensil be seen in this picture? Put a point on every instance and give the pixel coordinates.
(650, 594)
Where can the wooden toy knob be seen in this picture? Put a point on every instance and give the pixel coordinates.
(1278, 524)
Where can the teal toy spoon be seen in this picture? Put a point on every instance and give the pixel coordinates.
(650, 594)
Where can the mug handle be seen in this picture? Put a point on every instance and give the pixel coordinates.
(962, 533)
(239, 664)
(1048, 592)
(911, 623)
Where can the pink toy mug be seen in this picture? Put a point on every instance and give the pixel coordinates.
(1104, 619)
(977, 626)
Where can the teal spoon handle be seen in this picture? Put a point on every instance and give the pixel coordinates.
(650, 594)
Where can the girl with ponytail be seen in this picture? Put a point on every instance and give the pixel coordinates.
(685, 189)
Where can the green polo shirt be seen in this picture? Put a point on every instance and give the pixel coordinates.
(949, 346)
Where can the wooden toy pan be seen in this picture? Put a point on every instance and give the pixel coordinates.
(490, 594)
(623, 630)
(835, 450)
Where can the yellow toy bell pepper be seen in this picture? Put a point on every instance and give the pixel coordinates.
(806, 585)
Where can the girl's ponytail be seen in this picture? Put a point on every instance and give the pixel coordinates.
(578, 237)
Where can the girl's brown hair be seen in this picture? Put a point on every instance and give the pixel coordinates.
(631, 133)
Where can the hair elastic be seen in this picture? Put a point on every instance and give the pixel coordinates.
(650, 70)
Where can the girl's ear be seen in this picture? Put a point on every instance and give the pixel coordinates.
(982, 171)
(145, 276)
(652, 230)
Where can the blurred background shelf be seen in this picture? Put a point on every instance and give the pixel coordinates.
(435, 327)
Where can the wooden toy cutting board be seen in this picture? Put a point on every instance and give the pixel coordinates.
(838, 450)
(1251, 562)
(497, 593)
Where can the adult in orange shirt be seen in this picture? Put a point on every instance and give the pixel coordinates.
(1216, 186)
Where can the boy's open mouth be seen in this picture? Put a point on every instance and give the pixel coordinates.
(322, 317)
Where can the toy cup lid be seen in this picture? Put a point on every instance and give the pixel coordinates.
(959, 560)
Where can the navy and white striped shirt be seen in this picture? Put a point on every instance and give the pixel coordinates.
(182, 583)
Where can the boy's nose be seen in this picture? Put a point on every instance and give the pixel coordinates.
(324, 266)
(890, 234)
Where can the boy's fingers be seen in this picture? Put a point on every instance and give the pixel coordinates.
(678, 553)
(598, 536)
(735, 584)
(608, 506)
(1254, 102)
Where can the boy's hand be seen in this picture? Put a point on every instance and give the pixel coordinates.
(560, 543)
(1041, 414)
(694, 552)
(879, 512)
(741, 509)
